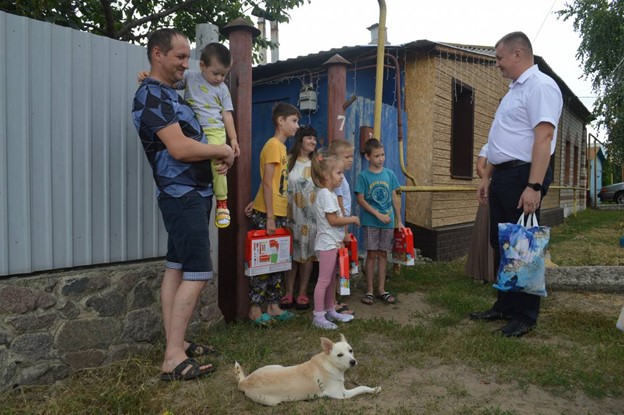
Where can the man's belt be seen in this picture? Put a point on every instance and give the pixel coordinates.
(510, 164)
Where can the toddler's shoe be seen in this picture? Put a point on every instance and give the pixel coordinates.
(222, 218)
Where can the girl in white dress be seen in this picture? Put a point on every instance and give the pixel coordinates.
(301, 220)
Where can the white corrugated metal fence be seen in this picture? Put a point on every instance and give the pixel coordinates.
(75, 187)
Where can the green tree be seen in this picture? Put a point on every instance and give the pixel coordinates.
(132, 20)
(600, 24)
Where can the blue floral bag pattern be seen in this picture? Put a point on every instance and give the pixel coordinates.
(522, 256)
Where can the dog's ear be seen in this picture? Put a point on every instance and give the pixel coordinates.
(343, 338)
(327, 345)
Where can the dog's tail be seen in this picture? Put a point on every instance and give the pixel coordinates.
(239, 372)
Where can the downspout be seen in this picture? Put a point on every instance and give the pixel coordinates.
(381, 43)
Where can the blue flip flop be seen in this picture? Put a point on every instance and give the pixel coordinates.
(285, 316)
(263, 321)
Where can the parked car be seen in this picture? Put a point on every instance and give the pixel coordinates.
(612, 193)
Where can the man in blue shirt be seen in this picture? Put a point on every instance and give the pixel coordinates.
(180, 156)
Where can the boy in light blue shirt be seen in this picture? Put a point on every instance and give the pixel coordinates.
(376, 193)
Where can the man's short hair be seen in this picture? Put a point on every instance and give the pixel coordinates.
(161, 38)
(284, 109)
(371, 144)
(216, 51)
(516, 39)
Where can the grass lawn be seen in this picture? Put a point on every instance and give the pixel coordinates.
(424, 352)
(589, 238)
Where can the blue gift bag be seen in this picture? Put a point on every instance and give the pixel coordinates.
(522, 256)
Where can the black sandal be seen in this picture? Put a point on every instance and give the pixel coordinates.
(368, 299)
(343, 309)
(387, 298)
(198, 350)
(193, 371)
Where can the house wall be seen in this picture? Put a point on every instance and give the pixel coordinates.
(442, 221)
(419, 99)
(572, 130)
(429, 94)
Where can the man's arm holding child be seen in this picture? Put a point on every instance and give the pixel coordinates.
(188, 150)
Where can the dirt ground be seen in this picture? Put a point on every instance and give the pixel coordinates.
(451, 389)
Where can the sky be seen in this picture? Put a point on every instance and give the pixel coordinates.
(326, 24)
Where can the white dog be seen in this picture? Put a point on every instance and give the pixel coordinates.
(322, 375)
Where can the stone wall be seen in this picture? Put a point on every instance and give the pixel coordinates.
(56, 323)
(607, 279)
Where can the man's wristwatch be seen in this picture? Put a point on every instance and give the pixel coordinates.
(535, 186)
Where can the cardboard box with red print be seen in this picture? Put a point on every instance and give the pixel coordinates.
(266, 254)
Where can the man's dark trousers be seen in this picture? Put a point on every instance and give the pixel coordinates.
(506, 187)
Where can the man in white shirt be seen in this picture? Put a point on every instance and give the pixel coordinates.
(522, 138)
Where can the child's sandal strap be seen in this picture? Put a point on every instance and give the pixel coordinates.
(368, 299)
(387, 298)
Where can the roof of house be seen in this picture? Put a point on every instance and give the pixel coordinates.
(314, 61)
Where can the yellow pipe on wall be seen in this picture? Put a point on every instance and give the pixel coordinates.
(381, 44)
(435, 189)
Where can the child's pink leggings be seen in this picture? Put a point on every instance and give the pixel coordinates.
(324, 292)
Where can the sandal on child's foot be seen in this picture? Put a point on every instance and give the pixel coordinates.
(303, 303)
(286, 301)
(387, 298)
(222, 218)
(264, 320)
(285, 316)
(368, 299)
